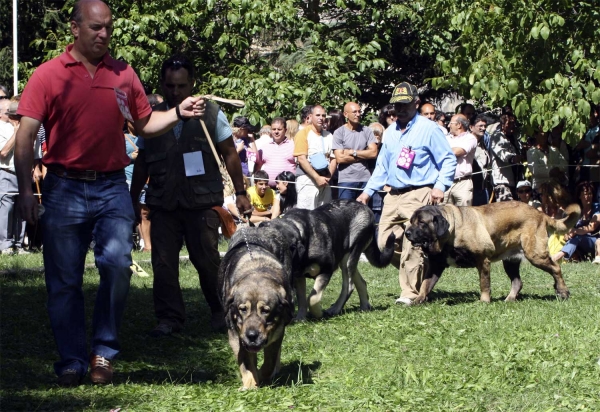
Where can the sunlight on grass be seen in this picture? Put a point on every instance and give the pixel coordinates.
(453, 353)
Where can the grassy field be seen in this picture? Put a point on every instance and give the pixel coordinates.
(454, 353)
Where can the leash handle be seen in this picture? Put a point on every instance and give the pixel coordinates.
(233, 102)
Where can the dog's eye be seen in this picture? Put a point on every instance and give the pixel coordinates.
(265, 310)
(243, 310)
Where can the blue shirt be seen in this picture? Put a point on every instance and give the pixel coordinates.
(434, 162)
(130, 149)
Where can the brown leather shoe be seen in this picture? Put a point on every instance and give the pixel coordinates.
(101, 370)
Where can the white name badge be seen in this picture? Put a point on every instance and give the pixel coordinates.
(194, 164)
(123, 104)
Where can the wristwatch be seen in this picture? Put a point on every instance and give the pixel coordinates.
(354, 154)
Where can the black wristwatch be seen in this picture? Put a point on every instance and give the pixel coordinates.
(354, 154)
(241, 193)
(179, 116)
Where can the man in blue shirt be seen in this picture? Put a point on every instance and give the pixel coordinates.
(418, 164)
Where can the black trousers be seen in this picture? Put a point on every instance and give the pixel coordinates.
(199, 228)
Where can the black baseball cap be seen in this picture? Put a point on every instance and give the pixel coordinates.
(404, 93)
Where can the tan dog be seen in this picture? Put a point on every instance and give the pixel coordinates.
(476, 236)
(256, 294)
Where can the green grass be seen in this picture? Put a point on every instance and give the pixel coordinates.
(454, 353)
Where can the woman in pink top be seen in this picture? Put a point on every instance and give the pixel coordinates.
(277, 156)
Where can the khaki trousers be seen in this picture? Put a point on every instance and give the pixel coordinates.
(410, 260)
(460, 193)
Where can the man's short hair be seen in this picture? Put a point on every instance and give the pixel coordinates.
(305, 112)
(261, 175)
(153, 99)
(463, 106)
(280, 120)
(479, 118)
(176, 62)
(438, 115)
(4, 89)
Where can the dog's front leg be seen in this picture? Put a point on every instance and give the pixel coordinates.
(484, 280)
(300, 286)
(246, 362)
(433, 269)
(272, 360)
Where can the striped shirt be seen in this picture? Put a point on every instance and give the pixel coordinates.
(276, 158)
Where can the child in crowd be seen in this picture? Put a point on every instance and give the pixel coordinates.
(229, 203)
(262, 198)
(287, 196)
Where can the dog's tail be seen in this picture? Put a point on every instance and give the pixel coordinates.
(381, 258)
(562, 226)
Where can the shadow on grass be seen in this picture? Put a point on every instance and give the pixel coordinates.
(29, 350)
(296, 373)
(457, 298)
(66, 400)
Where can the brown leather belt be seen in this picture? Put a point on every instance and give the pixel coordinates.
(88, 175)
(460, 179)
(8, 171)
(396, 191)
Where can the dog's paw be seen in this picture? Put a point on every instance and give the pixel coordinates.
(329, 313)
(366, 308)
(485, 299)
(563, 294)
(418, 300)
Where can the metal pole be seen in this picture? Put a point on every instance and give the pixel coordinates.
(15, 53)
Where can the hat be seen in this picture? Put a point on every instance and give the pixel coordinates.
(242, 122)
(404, 93)
(523, 183)
(12, 109)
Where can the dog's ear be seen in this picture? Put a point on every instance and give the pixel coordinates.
(228, 311)
(441, 225)
(286, 310)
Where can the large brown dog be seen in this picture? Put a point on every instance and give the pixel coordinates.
(255, 281)
(476, 236)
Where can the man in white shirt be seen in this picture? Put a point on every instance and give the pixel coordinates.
(463, 144)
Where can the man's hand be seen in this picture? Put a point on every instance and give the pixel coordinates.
(437, 196)
(243, 205)
(322, 181)
(192, 107)
(28, 207)
(363, 198)
(134, 154)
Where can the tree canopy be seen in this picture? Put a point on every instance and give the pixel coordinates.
(540, 56)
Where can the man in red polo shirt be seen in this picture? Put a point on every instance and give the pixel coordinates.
(82, 98)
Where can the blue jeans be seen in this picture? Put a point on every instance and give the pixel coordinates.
(584, 243)
(349, 193)
(76, 210)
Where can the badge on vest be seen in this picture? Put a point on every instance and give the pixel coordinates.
(194, 164)
(123, 104)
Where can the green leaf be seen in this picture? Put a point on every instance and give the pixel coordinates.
(513, 86)
(535, 32)
(545, 32)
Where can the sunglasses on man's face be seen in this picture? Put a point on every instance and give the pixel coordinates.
(4, 97)
(523, 191)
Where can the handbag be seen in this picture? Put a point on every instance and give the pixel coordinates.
(227, 224)
(318, 161)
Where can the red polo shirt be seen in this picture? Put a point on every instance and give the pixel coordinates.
(83, 122)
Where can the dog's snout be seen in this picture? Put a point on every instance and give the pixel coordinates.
(409, 234)
(252, 335)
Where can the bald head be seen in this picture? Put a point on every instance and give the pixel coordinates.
(352, 113)
(92, 26)
(77, 15)
(458, 124)
(428, 111)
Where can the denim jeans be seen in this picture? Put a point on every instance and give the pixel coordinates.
(350, 193)
(12, 227)
(76, 210)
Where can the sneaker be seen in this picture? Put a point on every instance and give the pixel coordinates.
(21, 251)
(404, 301)
(137, 270)
(8, 251)
(101, 370)
(69, 379)
(597, 260)
(162, 329)
(141, 244)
